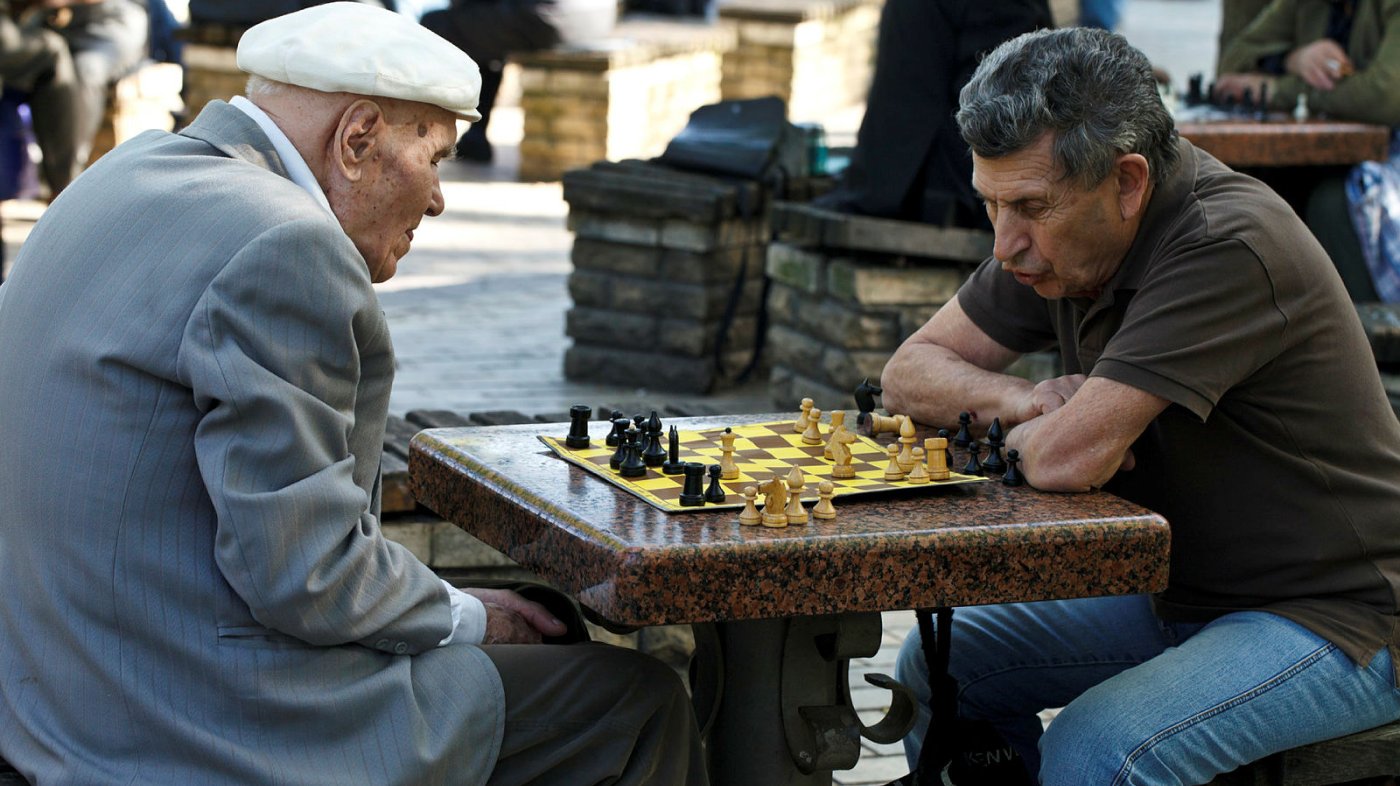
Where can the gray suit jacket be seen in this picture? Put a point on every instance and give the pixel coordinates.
(194, 376)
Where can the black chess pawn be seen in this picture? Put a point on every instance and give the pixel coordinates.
(948, 449)
(673, 464)
(973, 467)
(1013, 475)
(964, 435)
(715, 492)
(996, 439)
(620, 425)
(632, 464)
(579, 415)
(1194, 94)
(1261, 110)
(693, 492)
(615, 436)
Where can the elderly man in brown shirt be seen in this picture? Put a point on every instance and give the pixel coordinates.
(1215, 372)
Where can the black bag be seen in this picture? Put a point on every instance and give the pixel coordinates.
(750, 139)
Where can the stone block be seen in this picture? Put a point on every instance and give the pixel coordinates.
(622, 258)
(911, 318)
(661, 298)
(452, 547)
(800, 269)
(694, 236)
(844, 369)
(843, 326)
(787, 387)
(881, 285)
(795, 349)
(721, 266)
(615, 228)
(605, 326)
(784, 304)
(652, 370)
(413, 532)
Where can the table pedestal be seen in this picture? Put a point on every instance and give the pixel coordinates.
(798, 734)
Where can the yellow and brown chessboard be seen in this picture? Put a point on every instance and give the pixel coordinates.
(761, 450)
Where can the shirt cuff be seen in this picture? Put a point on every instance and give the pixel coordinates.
(468, 617)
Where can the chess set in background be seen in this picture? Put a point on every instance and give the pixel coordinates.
(789, 462)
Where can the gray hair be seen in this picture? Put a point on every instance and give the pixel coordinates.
(1094, 91)
(262, 87)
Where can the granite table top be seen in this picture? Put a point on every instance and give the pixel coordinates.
(635, 565)
(1285, 142)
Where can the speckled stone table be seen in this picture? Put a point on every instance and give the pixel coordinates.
(1285, 142)
(784, 608)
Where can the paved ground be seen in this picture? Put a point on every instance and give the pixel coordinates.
(477, 309)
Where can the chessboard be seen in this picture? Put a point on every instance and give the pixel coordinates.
(761, 450)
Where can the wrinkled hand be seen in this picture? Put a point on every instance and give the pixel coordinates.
(1051, 394)
(510, 619)
(1322, 64)
(1234, 85)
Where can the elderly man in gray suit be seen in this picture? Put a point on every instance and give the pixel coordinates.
(194, 378)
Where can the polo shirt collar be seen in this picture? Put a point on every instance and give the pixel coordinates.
(1166, 201)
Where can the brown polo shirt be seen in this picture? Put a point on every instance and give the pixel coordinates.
(1277, 463)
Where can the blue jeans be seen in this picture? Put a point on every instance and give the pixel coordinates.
(1148, 702)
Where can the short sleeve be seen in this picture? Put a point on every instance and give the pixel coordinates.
(1011, 314)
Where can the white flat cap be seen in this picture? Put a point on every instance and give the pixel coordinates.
(358, 48)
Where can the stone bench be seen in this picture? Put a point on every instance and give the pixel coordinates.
(623, 97)
(816, 55)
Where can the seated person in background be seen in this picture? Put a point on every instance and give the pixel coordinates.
(1215, 373)
(108, 40)
(195, 377)
(909, 161)
(489, 30)
(1344, 57)
(37, 62)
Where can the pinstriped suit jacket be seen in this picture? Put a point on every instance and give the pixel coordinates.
(194, 376)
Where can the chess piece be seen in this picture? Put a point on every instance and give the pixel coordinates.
(1013, 476)
(964, 435)
(1301, 113)
(881, 424)
(796, 514)
(813, 434)
(865, 396)
(653, 454)
(838, 425)
(749, 516)
(727, 468)
(714, 494)
(614, 437)
(824, 509)
(973, 467)
(948, 453)
(919, 473)
(774, 503)
(578, 426)
(804, 417)
(633, 466)
(841, 454)
(673, 464)
(906, 443)
(693, 492)
(620, 426)
(893, 471)
(996, 439)
(936, 455)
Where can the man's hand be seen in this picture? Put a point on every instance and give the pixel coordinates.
(1322, 64)
(1234, 85)
(510, 619)
(1050, 395)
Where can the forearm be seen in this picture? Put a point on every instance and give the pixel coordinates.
(934, 384)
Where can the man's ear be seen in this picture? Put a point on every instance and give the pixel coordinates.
(361, 129)
(1134, 179)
